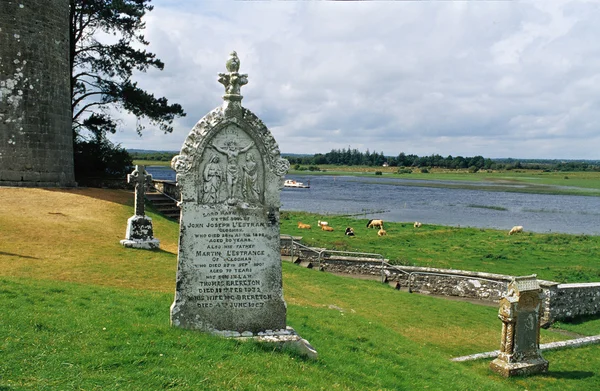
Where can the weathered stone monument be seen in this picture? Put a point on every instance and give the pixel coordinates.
(230, 174)
(139, 232)
(520, 315)
(36, 135)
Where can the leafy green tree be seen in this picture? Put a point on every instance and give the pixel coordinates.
(100, 159)
(101, 71)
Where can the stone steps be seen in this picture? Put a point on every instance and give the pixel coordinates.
(288, 258)
(165, 205)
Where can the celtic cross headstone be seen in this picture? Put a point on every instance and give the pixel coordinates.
(139, 233)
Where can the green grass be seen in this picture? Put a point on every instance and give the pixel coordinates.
(501, 208)
(152, 163)
(557, 257)
(73, 336)
(80, 312)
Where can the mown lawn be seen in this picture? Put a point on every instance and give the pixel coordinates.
(80, 312)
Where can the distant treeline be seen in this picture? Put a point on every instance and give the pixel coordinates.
(353, 157)
(159, 156)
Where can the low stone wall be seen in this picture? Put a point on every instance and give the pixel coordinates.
(568, 301)
(167, 187)
(561, 301)
(446, 282)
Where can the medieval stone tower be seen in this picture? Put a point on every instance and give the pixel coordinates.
(36, 139)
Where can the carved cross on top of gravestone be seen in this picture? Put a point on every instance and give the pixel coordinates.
(140, 177)
(232, 80)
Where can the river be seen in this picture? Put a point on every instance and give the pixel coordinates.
(389, 199)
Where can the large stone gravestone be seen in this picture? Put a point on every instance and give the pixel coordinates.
(520, 343)
(230, 176)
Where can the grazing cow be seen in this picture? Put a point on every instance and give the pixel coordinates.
(326, 228)
(516, 229)
(417, 224)
(381, 232)
(322, 223)
(375, 223)
(303, 226)
(349, 231)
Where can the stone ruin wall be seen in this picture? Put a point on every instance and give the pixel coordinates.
(444, 282)
(561, 301)
(167, 187)
(36, 138)
(568, 301)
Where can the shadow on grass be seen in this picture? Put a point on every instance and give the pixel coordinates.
(154, 250)
(17, 255)
(570, 374)
(118, 196)
(581, 319)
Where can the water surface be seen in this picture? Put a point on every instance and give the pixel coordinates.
(389, 199)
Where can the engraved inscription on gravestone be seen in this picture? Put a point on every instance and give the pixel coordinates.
(230, 175)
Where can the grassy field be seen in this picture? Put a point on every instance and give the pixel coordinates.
(557, 257)
(152, 163)
(80, 312)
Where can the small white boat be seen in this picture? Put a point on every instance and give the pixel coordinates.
(293, 183)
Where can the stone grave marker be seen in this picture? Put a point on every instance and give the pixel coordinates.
(230, 175)
(520, 343)
(139, 232)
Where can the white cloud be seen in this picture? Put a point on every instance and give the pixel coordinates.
(496, 79)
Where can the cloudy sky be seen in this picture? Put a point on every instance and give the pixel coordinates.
(494, 78)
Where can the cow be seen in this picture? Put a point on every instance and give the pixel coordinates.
(418, 225)
(322, 223)
(349, 231)
(381, 232)
(326, 228)
(303, 226)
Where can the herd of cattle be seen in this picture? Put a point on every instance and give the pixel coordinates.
(324, 225)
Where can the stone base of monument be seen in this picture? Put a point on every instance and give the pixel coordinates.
(286, 339)
(530, 367)
(144, 244)
(139, 233)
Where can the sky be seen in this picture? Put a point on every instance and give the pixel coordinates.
(514, 79)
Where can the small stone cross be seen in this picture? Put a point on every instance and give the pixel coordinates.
(140, 177)
(232, 80)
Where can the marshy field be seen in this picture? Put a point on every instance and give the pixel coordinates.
(81, 312)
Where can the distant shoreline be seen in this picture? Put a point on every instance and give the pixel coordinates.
(578, 183)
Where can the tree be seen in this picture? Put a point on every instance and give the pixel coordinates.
(101, 72)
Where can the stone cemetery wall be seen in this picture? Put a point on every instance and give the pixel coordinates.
(561, 301)
(568, 301)
(36, 139)
(446, 282)
(167, 187)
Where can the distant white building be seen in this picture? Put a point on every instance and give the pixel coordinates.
(385, 164)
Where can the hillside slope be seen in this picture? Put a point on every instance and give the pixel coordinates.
(82, 312)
